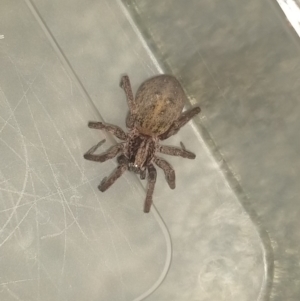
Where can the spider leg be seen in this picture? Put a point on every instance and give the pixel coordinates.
(109, 154)
(126, 86)
(150, 189)
(122, 160)
(116, 174)
(113, 129)
(175, 151)
(143, 174)
(168, 170)
(182, 120)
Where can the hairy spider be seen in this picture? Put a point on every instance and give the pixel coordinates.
(154, 114)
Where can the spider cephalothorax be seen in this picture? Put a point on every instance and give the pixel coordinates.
(139, 149)
(154, 115)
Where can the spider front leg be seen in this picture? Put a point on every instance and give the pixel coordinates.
(126, 86)
(113, 129)
(150, 189)
(143, 174)
(109, 154)
(116, 174)
(183, 119)
(175, 151)
(168, 170)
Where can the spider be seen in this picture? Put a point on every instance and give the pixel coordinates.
(155, 114)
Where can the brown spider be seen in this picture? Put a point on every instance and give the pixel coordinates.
(154, 114)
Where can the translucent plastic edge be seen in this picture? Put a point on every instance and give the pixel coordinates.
(201, 131)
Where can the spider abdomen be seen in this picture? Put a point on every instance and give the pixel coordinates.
(140, 149)
(159, 102)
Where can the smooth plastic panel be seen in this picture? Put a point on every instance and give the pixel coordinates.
(239, 60)
(61, 238)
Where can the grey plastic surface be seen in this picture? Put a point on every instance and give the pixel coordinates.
(62, 239)
(240, 61)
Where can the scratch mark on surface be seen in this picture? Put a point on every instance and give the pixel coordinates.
(11, 293)
(58, 233)
(81, 88)
(17, 281)
(69, 78)
(16, 227)
(38, 239)
(122, 234)
(56, 184)
(48, 197)
(25, 176)
(71, 156)
(21, 99)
